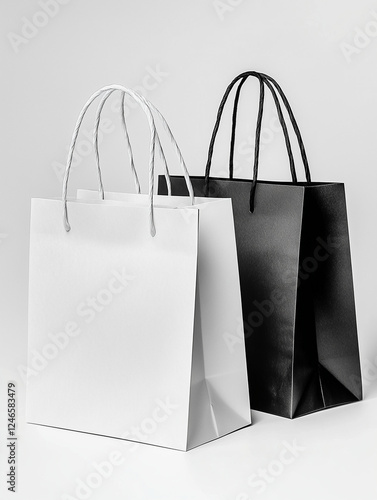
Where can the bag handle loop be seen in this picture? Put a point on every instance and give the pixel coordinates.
(128, 142)
(270, 82)
(145, 106)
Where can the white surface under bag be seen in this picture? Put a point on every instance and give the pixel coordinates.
(129, 302)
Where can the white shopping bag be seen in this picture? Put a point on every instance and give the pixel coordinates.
(127, 315)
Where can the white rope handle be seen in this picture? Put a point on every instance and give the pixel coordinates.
(128, 142)
(129, 147)
(176, 148)
(146, 106)
(159, 146)
(158, 142)
(152, 126)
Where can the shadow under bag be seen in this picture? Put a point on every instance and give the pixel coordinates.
(296, 277)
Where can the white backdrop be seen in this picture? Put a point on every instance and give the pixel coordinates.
(182, 55)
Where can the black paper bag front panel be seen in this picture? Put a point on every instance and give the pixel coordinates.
(297, 293)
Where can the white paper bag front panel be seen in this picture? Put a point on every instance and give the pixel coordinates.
(118, 305)
(219, 398)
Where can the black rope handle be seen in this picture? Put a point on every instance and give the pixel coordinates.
(234, 120)
(257, 136)
(294, 125)
(282, 123)
(218, 119)
(263, 78)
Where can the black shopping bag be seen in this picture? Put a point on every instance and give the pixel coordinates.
(296, 278)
